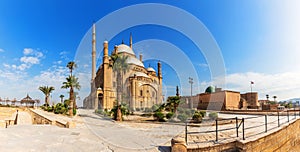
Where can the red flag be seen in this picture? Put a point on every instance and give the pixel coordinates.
(252, 82)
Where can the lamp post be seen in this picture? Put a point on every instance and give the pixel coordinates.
(191, 82)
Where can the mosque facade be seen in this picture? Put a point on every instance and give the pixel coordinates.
(140, 87)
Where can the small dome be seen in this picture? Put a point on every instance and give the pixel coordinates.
(122, 48)
(150, 69)
(140, 74)
(135, 61)
(210, 89)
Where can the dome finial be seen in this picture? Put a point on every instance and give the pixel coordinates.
(122, 41)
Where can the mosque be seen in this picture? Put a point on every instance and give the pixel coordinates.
(141, 87)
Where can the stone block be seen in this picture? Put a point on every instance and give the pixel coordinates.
(178, 145)
(71, 124)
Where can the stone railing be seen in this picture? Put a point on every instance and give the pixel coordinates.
(38, 118)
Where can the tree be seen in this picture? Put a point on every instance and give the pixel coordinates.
(72, 82)
(71, 65)
(47, 91)
(267, 96)
(69, 84)
(274, 98)
(61, 98)
(120, 67)
(173, 101)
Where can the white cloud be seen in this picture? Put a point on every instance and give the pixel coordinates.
(27, 51)
(30, 59)
(2, 50)
(6, 65)
(23, 67)
(283, 85)
(64, 55)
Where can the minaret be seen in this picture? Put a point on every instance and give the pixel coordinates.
(159, 75)
(130, 40)
(94, 53)
(159, 70)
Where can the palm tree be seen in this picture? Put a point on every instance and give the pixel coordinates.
(71, 65)
(72, 82)
(267, 96)
(61, 98)
(120, 66)
(274, 98)
(47, 91)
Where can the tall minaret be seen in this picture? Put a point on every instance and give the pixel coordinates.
(130, 40)
(94, 53)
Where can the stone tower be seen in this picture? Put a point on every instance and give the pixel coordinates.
(108, 92)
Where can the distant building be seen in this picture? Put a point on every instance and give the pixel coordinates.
(218, 99)
(252, 99)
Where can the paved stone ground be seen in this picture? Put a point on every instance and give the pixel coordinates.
(95, 133)
(129, 136)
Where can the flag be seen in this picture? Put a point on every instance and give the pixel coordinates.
(252, 82)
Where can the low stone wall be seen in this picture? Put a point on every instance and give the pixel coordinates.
(40, 119)
(284, 139)
(7, 116)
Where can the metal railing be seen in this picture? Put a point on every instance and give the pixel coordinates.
(240, 124)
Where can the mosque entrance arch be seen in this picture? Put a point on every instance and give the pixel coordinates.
(100, 101)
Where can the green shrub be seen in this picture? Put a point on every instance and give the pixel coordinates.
(124, 110)
(213, 115)
(197, 116)
(203, 113)
(169, 115)
(50, 109)
(137, 109)
(159, 116)
(60, 108)
(182, 117)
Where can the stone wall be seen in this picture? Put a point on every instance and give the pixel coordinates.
(40, 119)
(284, 139)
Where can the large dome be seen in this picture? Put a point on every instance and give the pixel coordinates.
(122, 48)
(134, 60)
(210, 89)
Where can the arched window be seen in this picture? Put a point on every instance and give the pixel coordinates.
(141, 92)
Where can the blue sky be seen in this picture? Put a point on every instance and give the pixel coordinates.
(259, 41)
